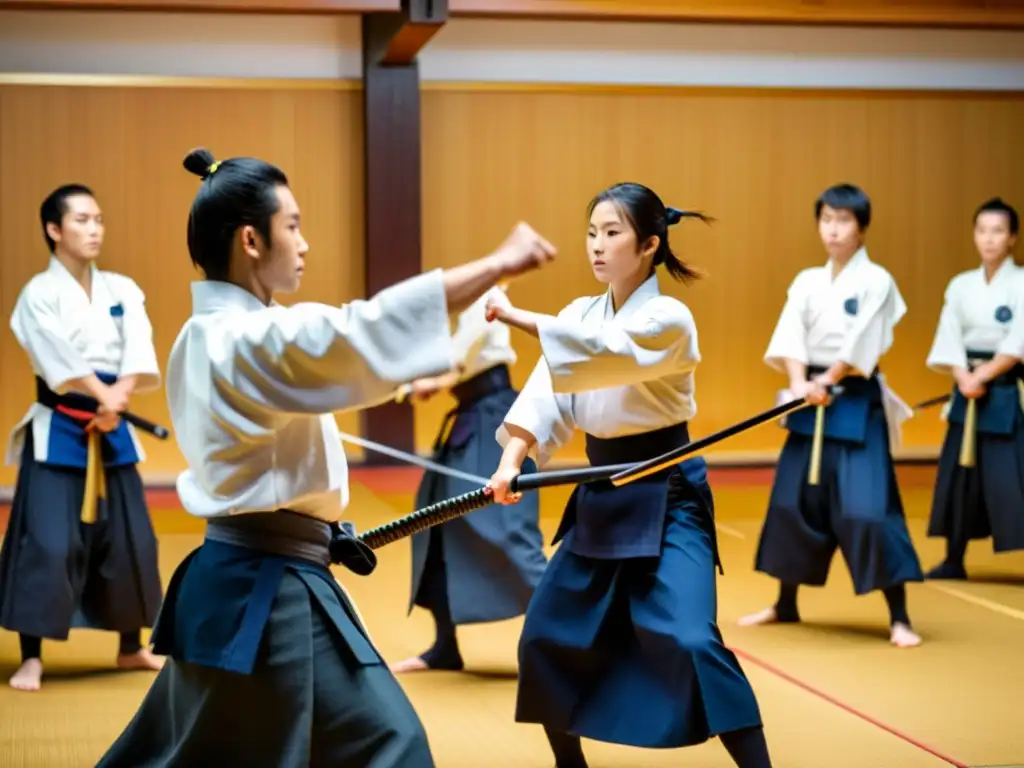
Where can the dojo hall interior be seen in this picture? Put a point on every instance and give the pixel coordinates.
(523, 112)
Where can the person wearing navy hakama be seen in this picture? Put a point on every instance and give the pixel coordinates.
(835, 482)
(620, 642)
(979, 490)
(485, 566)
(268, 661)
(79, 550)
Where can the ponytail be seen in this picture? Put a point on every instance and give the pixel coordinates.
(676, 267)
(649, 217)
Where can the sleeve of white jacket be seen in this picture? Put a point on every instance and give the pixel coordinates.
(872, 334)
(1013, 344)
(789, 339)
(38, 329)
(315, 358)
(948, 350)
(543, 413)
(139, 356)
(659, 339)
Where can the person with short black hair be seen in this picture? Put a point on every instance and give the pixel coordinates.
(485, 566)
(80, 550)
(979, 341)
(268, 661)
(835, 482)
(621, 642)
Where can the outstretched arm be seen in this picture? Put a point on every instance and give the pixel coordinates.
(314, 358)
(660, 339)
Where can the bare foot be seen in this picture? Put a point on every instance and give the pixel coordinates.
(767, 616)
(903, 636)
(29, 676)
(415, 664)
(142, 659)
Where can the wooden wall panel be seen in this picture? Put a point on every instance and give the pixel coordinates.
(754, 159)
(127, 144)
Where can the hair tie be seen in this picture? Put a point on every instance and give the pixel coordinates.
(673, 216)
(213, 167)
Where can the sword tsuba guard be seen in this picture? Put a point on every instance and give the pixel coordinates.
(346, 549)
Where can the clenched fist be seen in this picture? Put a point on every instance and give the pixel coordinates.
(524, 250)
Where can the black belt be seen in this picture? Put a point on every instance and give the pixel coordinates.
(290, 534)
(634, 448)
(853, 385)
(496, 379)
(47, 397)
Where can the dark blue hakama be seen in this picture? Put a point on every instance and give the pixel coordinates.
(268, 663)
(620, 643)
(986, 499)
(487, 564)
(856, 507)
(58, 572)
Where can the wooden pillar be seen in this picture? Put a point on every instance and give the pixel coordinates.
(391, 126)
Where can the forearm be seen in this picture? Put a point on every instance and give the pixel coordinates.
(959, 373)
(796, 371)
(517, 449)
(995, 368)
(90, 385)
(466, 283)
(837, 372)
(127, 384)
(523, 320)
(436, 383)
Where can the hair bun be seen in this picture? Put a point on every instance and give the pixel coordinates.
(198, 161)
(674, 216)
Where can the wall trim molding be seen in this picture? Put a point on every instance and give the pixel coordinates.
(351, 84)
(172, 81)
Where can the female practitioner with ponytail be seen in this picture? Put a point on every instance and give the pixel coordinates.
(268, 662)
(620, 642)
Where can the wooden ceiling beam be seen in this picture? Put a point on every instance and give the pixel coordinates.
(966, 14)
(1004, 14)
(989, 14)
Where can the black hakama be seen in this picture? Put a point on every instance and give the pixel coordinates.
(856, 506)
(58, 572)
(620, 643)
(269, 664)
(986, 499)
(485, 566)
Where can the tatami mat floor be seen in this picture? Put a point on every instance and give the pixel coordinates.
(833, 692)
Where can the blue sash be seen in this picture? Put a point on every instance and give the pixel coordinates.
(67, 445)
(617, 523)
(997, 410)
(846, 416)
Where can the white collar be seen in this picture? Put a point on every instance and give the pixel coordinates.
(648, 289)
(212, 295)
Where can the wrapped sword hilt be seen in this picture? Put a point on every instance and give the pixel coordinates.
(421, 519)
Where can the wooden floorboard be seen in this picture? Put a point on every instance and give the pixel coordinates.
(833, 692)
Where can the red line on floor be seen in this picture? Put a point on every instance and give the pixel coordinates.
(847, 708)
